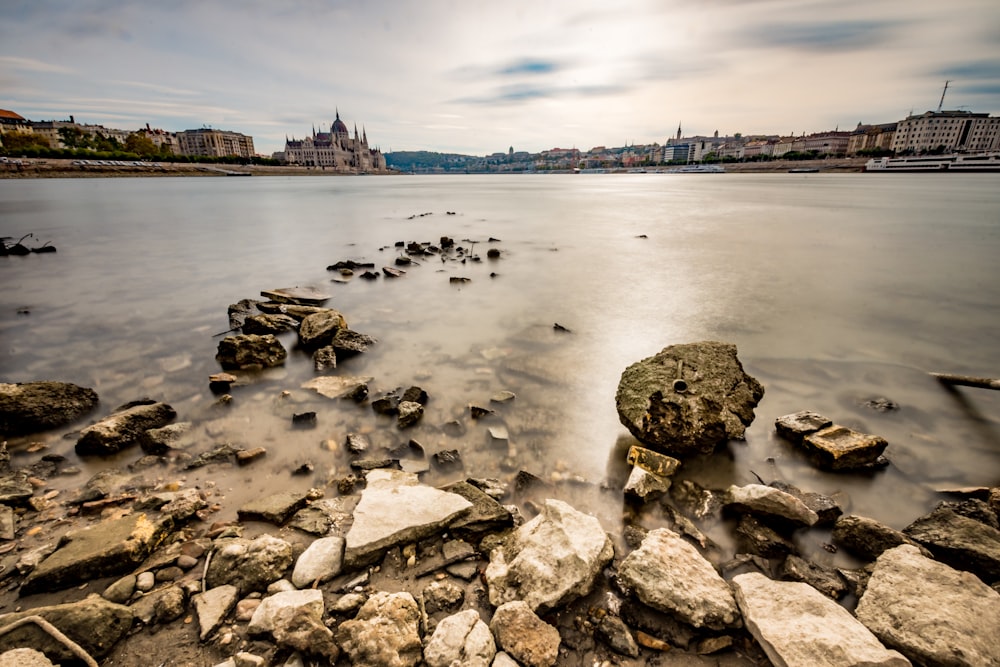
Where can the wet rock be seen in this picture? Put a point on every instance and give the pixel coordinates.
(221, 454)
(825, 580)
(300, 296)
(795, 427)
(410, 412)
(220, 383)
(386, 405)
(527, 638)
(269, 324)
(827, 509)
(161, 440)
(317, 330)
(415, 395)
(644, 485)
(321, 561)
(250, 351)
(771, 504)
(276, 508)
(447, 459)
(145, 581)
(486, 514)
(240, 311)
(106, 549)
(396, 509)
(755, 537)
(31, 407)
(502, 397)
(796, 625)
(653, 462)
(670, 575)
(250, 565)
(963, 543)
(183, 505)
(385, 632)
(120, 591)
(335, 386)
(840, 448)
(212, 607)
(347, 343)
(93, 623)
(714, 403)
(613, 631)
(867, 538)
(15, 489)
(933, 614)
(551, 560)
(462, 639)
(248, 456)
(324, 359)
(972, 508)
(356, 443)
(123, 429)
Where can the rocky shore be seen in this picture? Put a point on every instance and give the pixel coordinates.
(380, 567)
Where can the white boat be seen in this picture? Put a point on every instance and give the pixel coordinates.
(953, 162)
(697, 169)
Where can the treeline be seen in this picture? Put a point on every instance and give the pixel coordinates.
(422, 160)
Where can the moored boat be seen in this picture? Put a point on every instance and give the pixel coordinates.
(952, 162)
(697, 169)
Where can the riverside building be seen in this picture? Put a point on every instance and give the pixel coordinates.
(336, 150)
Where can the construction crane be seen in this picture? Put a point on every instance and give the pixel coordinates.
(941, 103)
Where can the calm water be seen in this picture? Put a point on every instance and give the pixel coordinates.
(835, 288)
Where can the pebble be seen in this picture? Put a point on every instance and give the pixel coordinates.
(145, 581)
(186, 562)
(245, 609)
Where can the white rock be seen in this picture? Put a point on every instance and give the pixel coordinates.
(932, 613)
(796, 625)
(24, 657)
(769, 501)
(320, 562)
(272, 608)
(213, 606)
(462, 639)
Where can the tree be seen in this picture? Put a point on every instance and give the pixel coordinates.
(18, 141)
(141, 145)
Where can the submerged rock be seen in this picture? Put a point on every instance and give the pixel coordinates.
(31, 407)
(688, 399)
(269, 324)
(840, 448)
(124, 428)
(250, 351)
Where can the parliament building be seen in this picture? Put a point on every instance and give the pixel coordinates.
(336, 150)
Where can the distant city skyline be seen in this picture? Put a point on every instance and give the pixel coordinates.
(476, 79)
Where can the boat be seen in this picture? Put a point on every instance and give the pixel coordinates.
(697, 169)
(804, 170)
(954, 163)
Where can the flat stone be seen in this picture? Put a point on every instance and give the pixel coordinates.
(795, 427)
(770, 503)
(302, 296)
(502, 397)
(276, 508)
(653, 462)
(826, 507)
(840, 448)
(963, 543)
(15, 489)
(24, 657)
(6, 522)
(396, 509)
(933, 614)
(796, 625)
(105, 549)
(336, 386)
(93, 623)
(485, 515)
(321, 561)
(825, 580)
(269, 324)
(213, 606)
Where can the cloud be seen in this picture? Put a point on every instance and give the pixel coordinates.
(982, 69)
(823, 36)
(32, 65)
(529, 66)
(524, 93)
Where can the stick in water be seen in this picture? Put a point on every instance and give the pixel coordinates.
(966, 381)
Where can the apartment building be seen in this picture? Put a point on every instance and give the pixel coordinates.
(215, 143)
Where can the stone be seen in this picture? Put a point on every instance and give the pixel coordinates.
(486, 514)
(840, 448)
(269, 324)
(301, 629)
(963, 543)
(93, 623)
(184, 505)
(269, 614)
(238, 312)
(549, 561)
(250, 565)
(933, 614)
(212, 607)
(162, 605)
(669, 574)
(276, 508)
(658, 464)
(321, 561)
(754, 537)
(442, 596)
(644, 485)
(106, 549)
(410, 412)
(248, 456)
(144, 581)
(825, 580)
(385, 632)
(317, 330)
(120, 591)
(972, 508)
(348, 343)
(162, 440)
(796, 426)
(336, 386)
(770, 503)
(827, 509)
(24, 657)
(613, 631)
(527, 638)
(797, 625)
(7, 523)
(15, 489)
(250, 351)
(715, 402)
(221, 383)
(123, 429)
(461, 639)
(300, 296)
(503, 396)
(867, 538)
(396, 509)
(31, 407)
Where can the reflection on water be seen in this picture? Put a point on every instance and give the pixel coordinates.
(836, 289)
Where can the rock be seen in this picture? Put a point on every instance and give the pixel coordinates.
(644, 485)
(527, 638)
(827, 509)
(184, 505)
(442, 596)
(275, 508)
(549, 561)
(317, 330)
(867, 538)
(356, 443)
(415, 395)
(269, 324)
(825, 580)
(715, 404)
(24, 657)
(302, 630)
(796, 625)
(160, 606)
(396, 509)
(335, 386)
(324, 359)
(250, 565)
(385, 632)
(503, 396)
(250, 351)
(410, 413)
(462, 639)
(486, 514)
(15, 489)
(300, 296)
(653, 462)
(347, 343)
(248, 456)
(213, 606)
(240, 311)
(320, 562)
(617, 635)
(106, 549)
(120, 591)
(161, 440)
(221, 383)
(754, 537)
(973, 508)
(963, 543)
(145, 581)
(123, 429)
(770, 503)
(93, 623)
(272, 608)
(796, 426)
(670, 575)
(933, 614)
(840, 448)
(31, 407)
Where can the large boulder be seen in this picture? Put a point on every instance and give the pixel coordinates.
(688, 399)
(38, 406)
(93, 623)
(931, 613)
(963, 543)
(551, 560)
(797, 625)
(385, 632)
(250, 351)
(669, 574)
(124, 428)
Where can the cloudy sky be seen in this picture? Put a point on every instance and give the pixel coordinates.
(477, 77)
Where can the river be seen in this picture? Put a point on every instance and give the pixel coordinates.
(836, 288)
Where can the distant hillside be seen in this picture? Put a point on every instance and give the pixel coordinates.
(429, 161)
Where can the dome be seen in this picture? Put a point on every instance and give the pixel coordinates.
(338, 127)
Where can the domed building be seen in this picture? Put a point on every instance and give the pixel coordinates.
(336, 150)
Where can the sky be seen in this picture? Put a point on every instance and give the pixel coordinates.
(474, 77)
